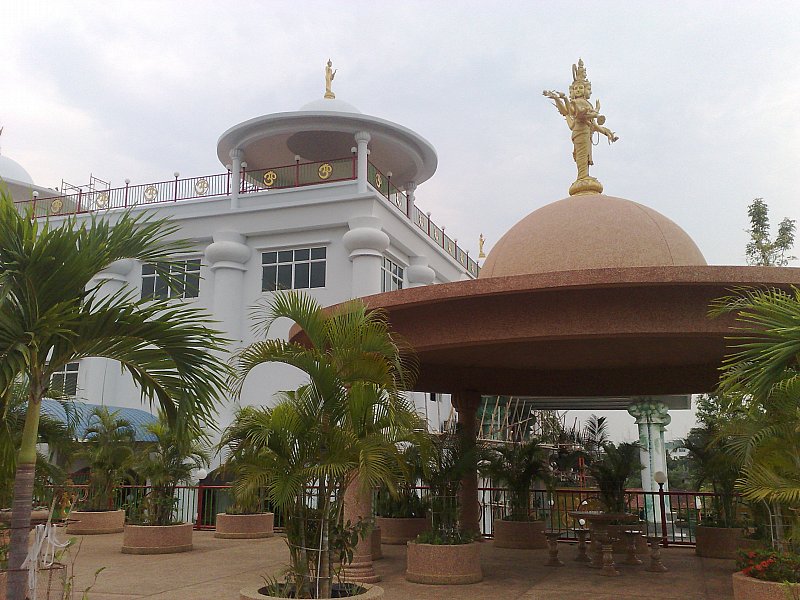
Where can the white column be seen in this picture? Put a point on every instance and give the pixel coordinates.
(651, 417)
(411, 188)
(236, 176)
(227, 257)
(366, 243)
(418, 273)
(362, 139)
(101, 375)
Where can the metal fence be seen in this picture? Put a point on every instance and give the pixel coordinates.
(683, 510)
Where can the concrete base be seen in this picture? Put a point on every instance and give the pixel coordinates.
(750, 588)
(718, 542)
(244, 527)
(443, 564)
(157, 539)
(519, 534)
(396, 531)
(82, 522)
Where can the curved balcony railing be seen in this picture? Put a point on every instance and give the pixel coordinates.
(298, 174)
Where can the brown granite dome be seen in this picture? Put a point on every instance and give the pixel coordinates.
(591, 232)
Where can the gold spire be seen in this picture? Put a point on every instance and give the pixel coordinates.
(584, 120)
(329, 75)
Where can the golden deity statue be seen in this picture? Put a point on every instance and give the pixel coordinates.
(584, 120)
(481, 242)
(329, 75)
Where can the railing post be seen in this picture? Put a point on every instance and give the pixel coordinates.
(296, 171)
(127, 184)
(242, 189)
(353, 151)
(429, 223)
(228, 180)
(80, 199)
(199, 521)
(664, 539)
(175, 197)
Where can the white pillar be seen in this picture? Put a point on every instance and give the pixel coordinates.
(227, 257)
(101, 375)
(362, 139)
(651, 417)
(411, 188)
(366, 243)
(236, 176)
(418, 272)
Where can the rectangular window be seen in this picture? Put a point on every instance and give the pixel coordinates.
(392, 276)
(185, 276)
(298, 269)
(65, 381)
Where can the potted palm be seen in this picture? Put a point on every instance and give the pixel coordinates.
(403, 515)
(446, 554)
(165, 462)
(516, 466)
(335, 438)
(108, 448)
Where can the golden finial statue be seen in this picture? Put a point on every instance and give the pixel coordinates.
(584, 120)
(481, 242)
(329, 75)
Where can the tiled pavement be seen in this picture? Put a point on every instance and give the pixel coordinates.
(217, 569)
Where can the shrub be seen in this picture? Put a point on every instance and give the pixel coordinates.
(770, 565)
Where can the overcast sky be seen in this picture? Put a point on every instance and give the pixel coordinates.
(703, 95)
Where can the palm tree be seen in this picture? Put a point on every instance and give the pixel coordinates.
(108, 448)
(166, 461)
(611, 471)
(517, 466)
(51, 313)
(342, 427)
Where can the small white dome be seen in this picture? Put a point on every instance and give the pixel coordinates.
(11, 170)
(329, 105)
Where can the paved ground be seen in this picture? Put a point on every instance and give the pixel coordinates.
(216, 569)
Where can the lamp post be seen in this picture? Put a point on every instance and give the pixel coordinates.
(661, 478)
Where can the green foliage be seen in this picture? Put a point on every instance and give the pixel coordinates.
(164, 463)
(611, 471)
(406, 502)
(761, 249)
(453, 537)
(341, 428)
(108, 448)
(516, 467)
(771, 565)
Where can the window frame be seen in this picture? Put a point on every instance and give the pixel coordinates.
(394, 272)
(285, 264)
(62, 374)
(178, 269)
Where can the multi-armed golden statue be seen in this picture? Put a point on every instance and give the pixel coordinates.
(583, 120)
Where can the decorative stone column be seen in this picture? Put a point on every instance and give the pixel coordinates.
(227, 257)
(418, 272)
(366, 243)
(652, 416)
(236, 176)
(362, 139)
(358, 505)
(466, 403)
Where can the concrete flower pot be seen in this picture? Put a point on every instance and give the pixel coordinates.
(750, 588)
(252, 593)
(401, 531)
(244, 527)
(444, 564)
(157, 539)
(86, 522)
(717, 542)
(519, 534)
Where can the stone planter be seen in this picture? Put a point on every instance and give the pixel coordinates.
(718, 542)
(401, 531)
(87, 522)
(375, 539)
(442, 564)
(157, 539)
(244, 527)
(750, 588)
(252, 593)
(519, 534)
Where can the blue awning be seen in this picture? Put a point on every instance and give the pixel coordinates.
(137, 417)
